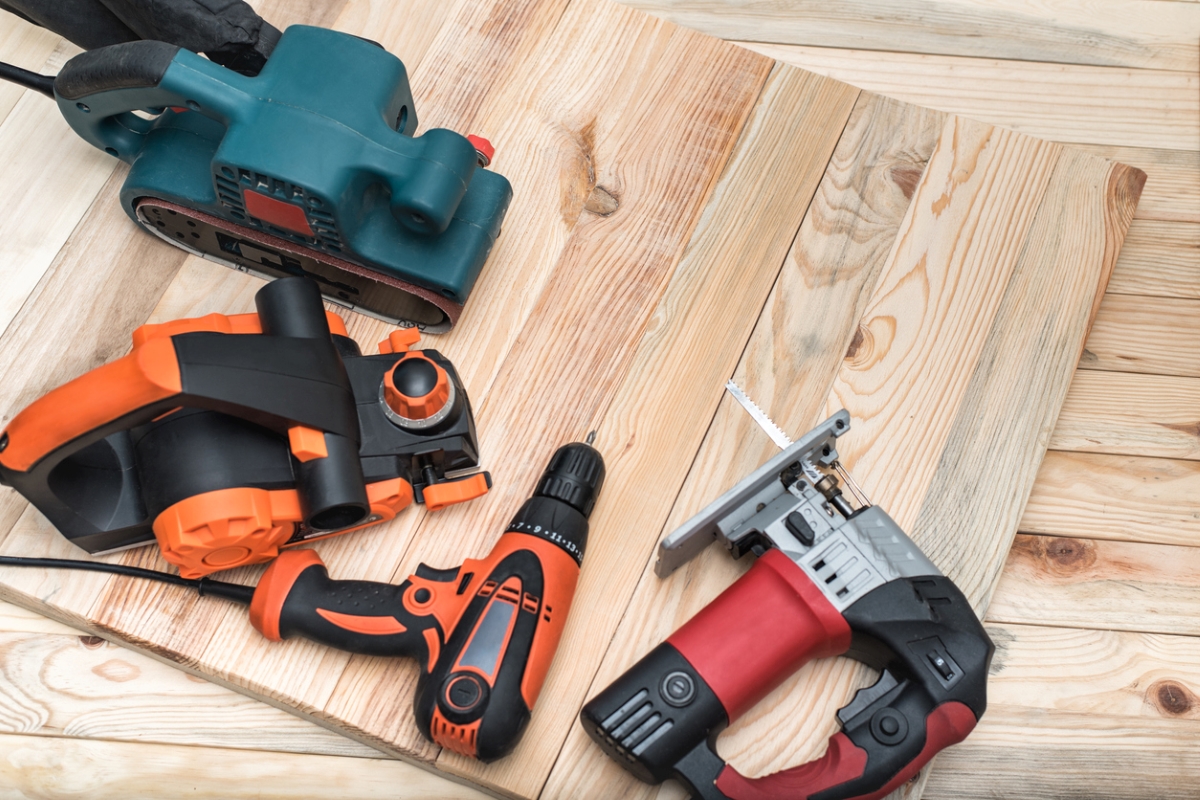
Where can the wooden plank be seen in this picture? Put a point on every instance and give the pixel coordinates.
(811, 315)
(1120, 498)
(1147, 335)
(991, 452)
(1065, 103)
(52, 177)
(1130, 414)
(1114, 673)
(1090, 583)
(1103, 702)
(1173, 183)
(27, 46)
(40, 767)
(1048, 755)
(1159, 259)
(1032, 341)
(1133, 33)
(83, 686)
(15, 619)
(699, 332)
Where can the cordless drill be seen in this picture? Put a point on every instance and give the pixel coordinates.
(484, 633)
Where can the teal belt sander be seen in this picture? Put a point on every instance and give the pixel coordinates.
(309, 167)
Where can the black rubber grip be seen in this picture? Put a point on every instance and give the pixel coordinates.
(356, 616)
(132, 65)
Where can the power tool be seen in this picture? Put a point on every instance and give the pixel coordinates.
(226, 438)
(484, 633)
(830, 579)
(307, 168)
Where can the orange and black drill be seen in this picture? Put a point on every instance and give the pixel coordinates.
(483, 633)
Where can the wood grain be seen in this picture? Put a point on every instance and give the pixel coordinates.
(1130, 414)
(1133, 33)
(1121, 498)
(1173, 186)
(27, 46)
(1010, 407)
(51, 179)
(1114, 673)
(1147, 335)
(810, 315)
(1091, 583)
(85, 687)
(47, 768)
(1045, 755)
(932, 312)
(573, 116)
(1159, 259)
(1064, 103)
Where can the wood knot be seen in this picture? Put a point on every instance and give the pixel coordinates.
(92, 642)
(855, 343)
(871, 342)
(1071, 554)
(601, 202)
(906, 179)
(116, 670)
(1171, 698)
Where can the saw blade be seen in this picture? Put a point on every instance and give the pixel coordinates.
(781, 439)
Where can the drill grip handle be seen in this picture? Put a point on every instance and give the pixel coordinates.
(296, 597)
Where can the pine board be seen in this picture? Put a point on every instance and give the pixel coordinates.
(686, 210)
(1138, 108)
(1151, 34)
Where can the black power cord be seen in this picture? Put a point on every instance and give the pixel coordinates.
(204, 586)
(30, 80)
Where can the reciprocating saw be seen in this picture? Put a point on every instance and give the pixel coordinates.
(830, 579)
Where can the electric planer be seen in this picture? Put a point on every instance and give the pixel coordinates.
(227, 438)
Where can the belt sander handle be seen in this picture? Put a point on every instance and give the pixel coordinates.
(427, 176)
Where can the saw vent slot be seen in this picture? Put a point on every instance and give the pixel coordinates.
(635, 726)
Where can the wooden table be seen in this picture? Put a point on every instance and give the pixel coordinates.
(1040, 715)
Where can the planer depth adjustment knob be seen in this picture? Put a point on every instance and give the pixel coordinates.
(417, 393)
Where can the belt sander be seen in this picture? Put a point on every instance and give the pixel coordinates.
(227, 438)
(308, 168)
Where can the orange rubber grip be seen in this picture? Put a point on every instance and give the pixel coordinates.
(148, 375)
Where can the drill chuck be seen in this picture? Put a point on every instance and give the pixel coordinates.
(574, 476)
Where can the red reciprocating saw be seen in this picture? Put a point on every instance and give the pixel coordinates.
(830, 580)
(483, 633)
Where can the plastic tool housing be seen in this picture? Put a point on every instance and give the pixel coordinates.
(484, 633)
(308, 168)
(825, 583)
(227, 438)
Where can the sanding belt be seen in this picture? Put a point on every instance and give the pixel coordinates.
(228, 32)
